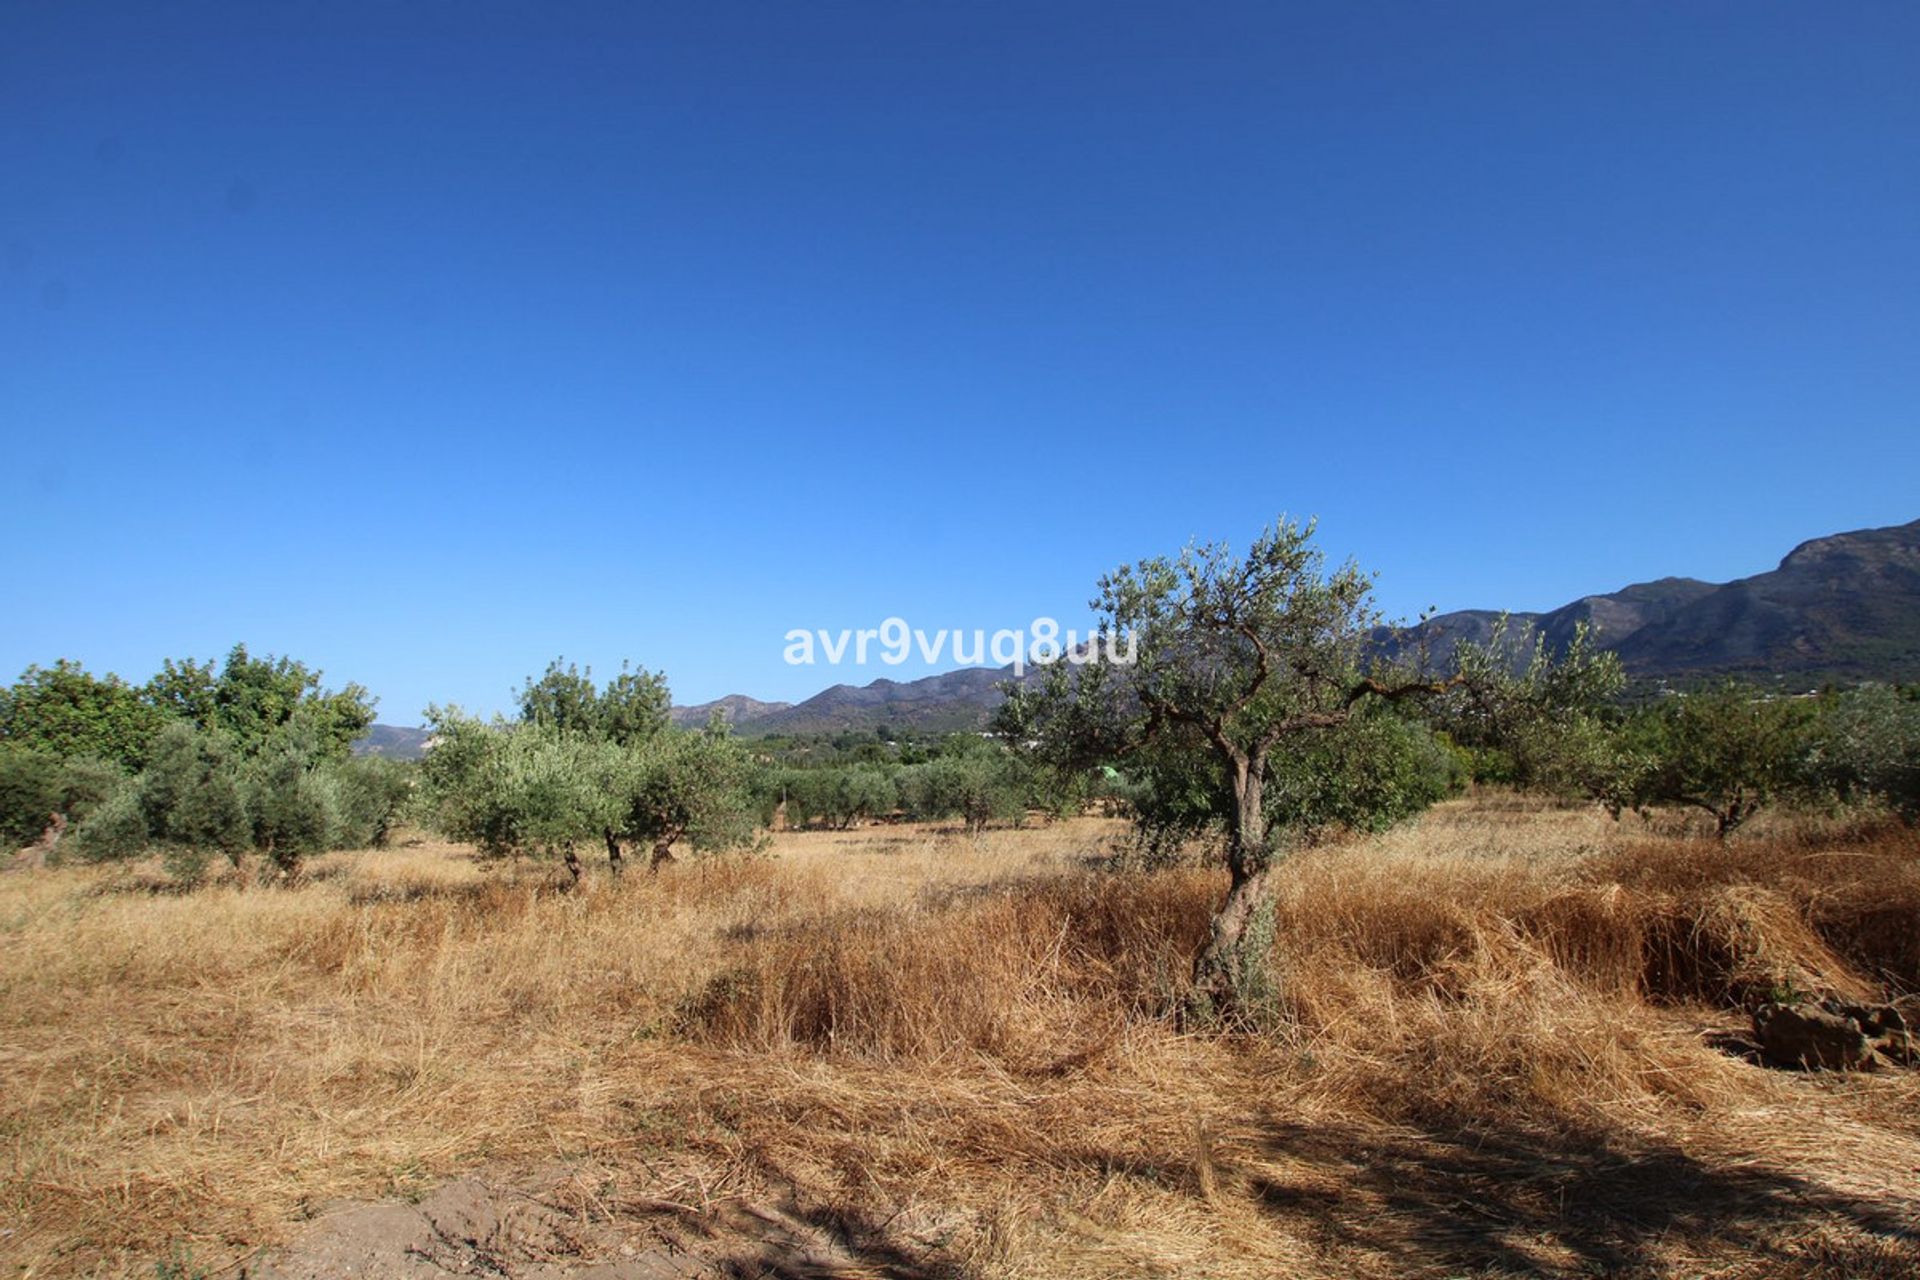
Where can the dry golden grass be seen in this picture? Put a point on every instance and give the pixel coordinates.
(1492, 1058)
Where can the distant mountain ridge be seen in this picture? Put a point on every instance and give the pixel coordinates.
(1610, 619)
(1843, 608)
(735, 708)
(1840, 608)
(951, 701)
(396, 742)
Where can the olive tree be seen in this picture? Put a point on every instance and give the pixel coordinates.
(562, 791)
(632, 710)
(41, 794)
(534, 789)
(190, 802)
(370, 793)
(1729, 750)
(463, 781)
(1538, 719)
(686, 786)
(520, 789)
(1237, 662)
(838, 795)
(861, 792)
(303, 798)
(1866, 744)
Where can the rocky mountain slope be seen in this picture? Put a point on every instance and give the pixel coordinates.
(394, 741)
(944, 703)
(1844, 608)
(735, 708)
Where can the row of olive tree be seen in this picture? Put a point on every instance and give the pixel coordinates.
(1726, 749)
(585, 765)
(1730, 750)
(975, 780)
(202, 796)
(201, 760)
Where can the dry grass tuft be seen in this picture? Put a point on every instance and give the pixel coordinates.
(1017, 974)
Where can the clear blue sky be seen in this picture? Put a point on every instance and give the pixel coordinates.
(427, 342)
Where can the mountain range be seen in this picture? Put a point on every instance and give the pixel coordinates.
(1843, 608)
(944, 703)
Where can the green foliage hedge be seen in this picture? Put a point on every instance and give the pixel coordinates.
(201, 761)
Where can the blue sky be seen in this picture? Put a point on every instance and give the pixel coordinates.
(428, 342)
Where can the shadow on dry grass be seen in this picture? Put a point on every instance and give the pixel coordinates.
(1502, 1203)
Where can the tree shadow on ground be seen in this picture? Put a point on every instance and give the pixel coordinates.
(1447, 1203)
(813, 1243)
(1461, 1202)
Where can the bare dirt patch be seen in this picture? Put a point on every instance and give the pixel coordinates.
(577, 1225)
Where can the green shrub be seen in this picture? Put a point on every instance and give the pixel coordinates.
(29, 793)
(85, 784)
(1866, 745)
(192, 792)
(117, 828)
(34, 786)
(369, 794)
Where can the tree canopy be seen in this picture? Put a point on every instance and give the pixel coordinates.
(586, 764)
(251, 698)
(66, 712)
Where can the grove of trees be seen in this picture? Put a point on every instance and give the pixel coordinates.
(201, 761)
(585, 765)
(963, 777)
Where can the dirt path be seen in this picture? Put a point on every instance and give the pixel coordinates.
(471, 1227)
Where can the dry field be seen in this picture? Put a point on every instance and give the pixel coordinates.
(954, 1057)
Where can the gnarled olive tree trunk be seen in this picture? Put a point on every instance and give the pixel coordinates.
(1232, 977)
